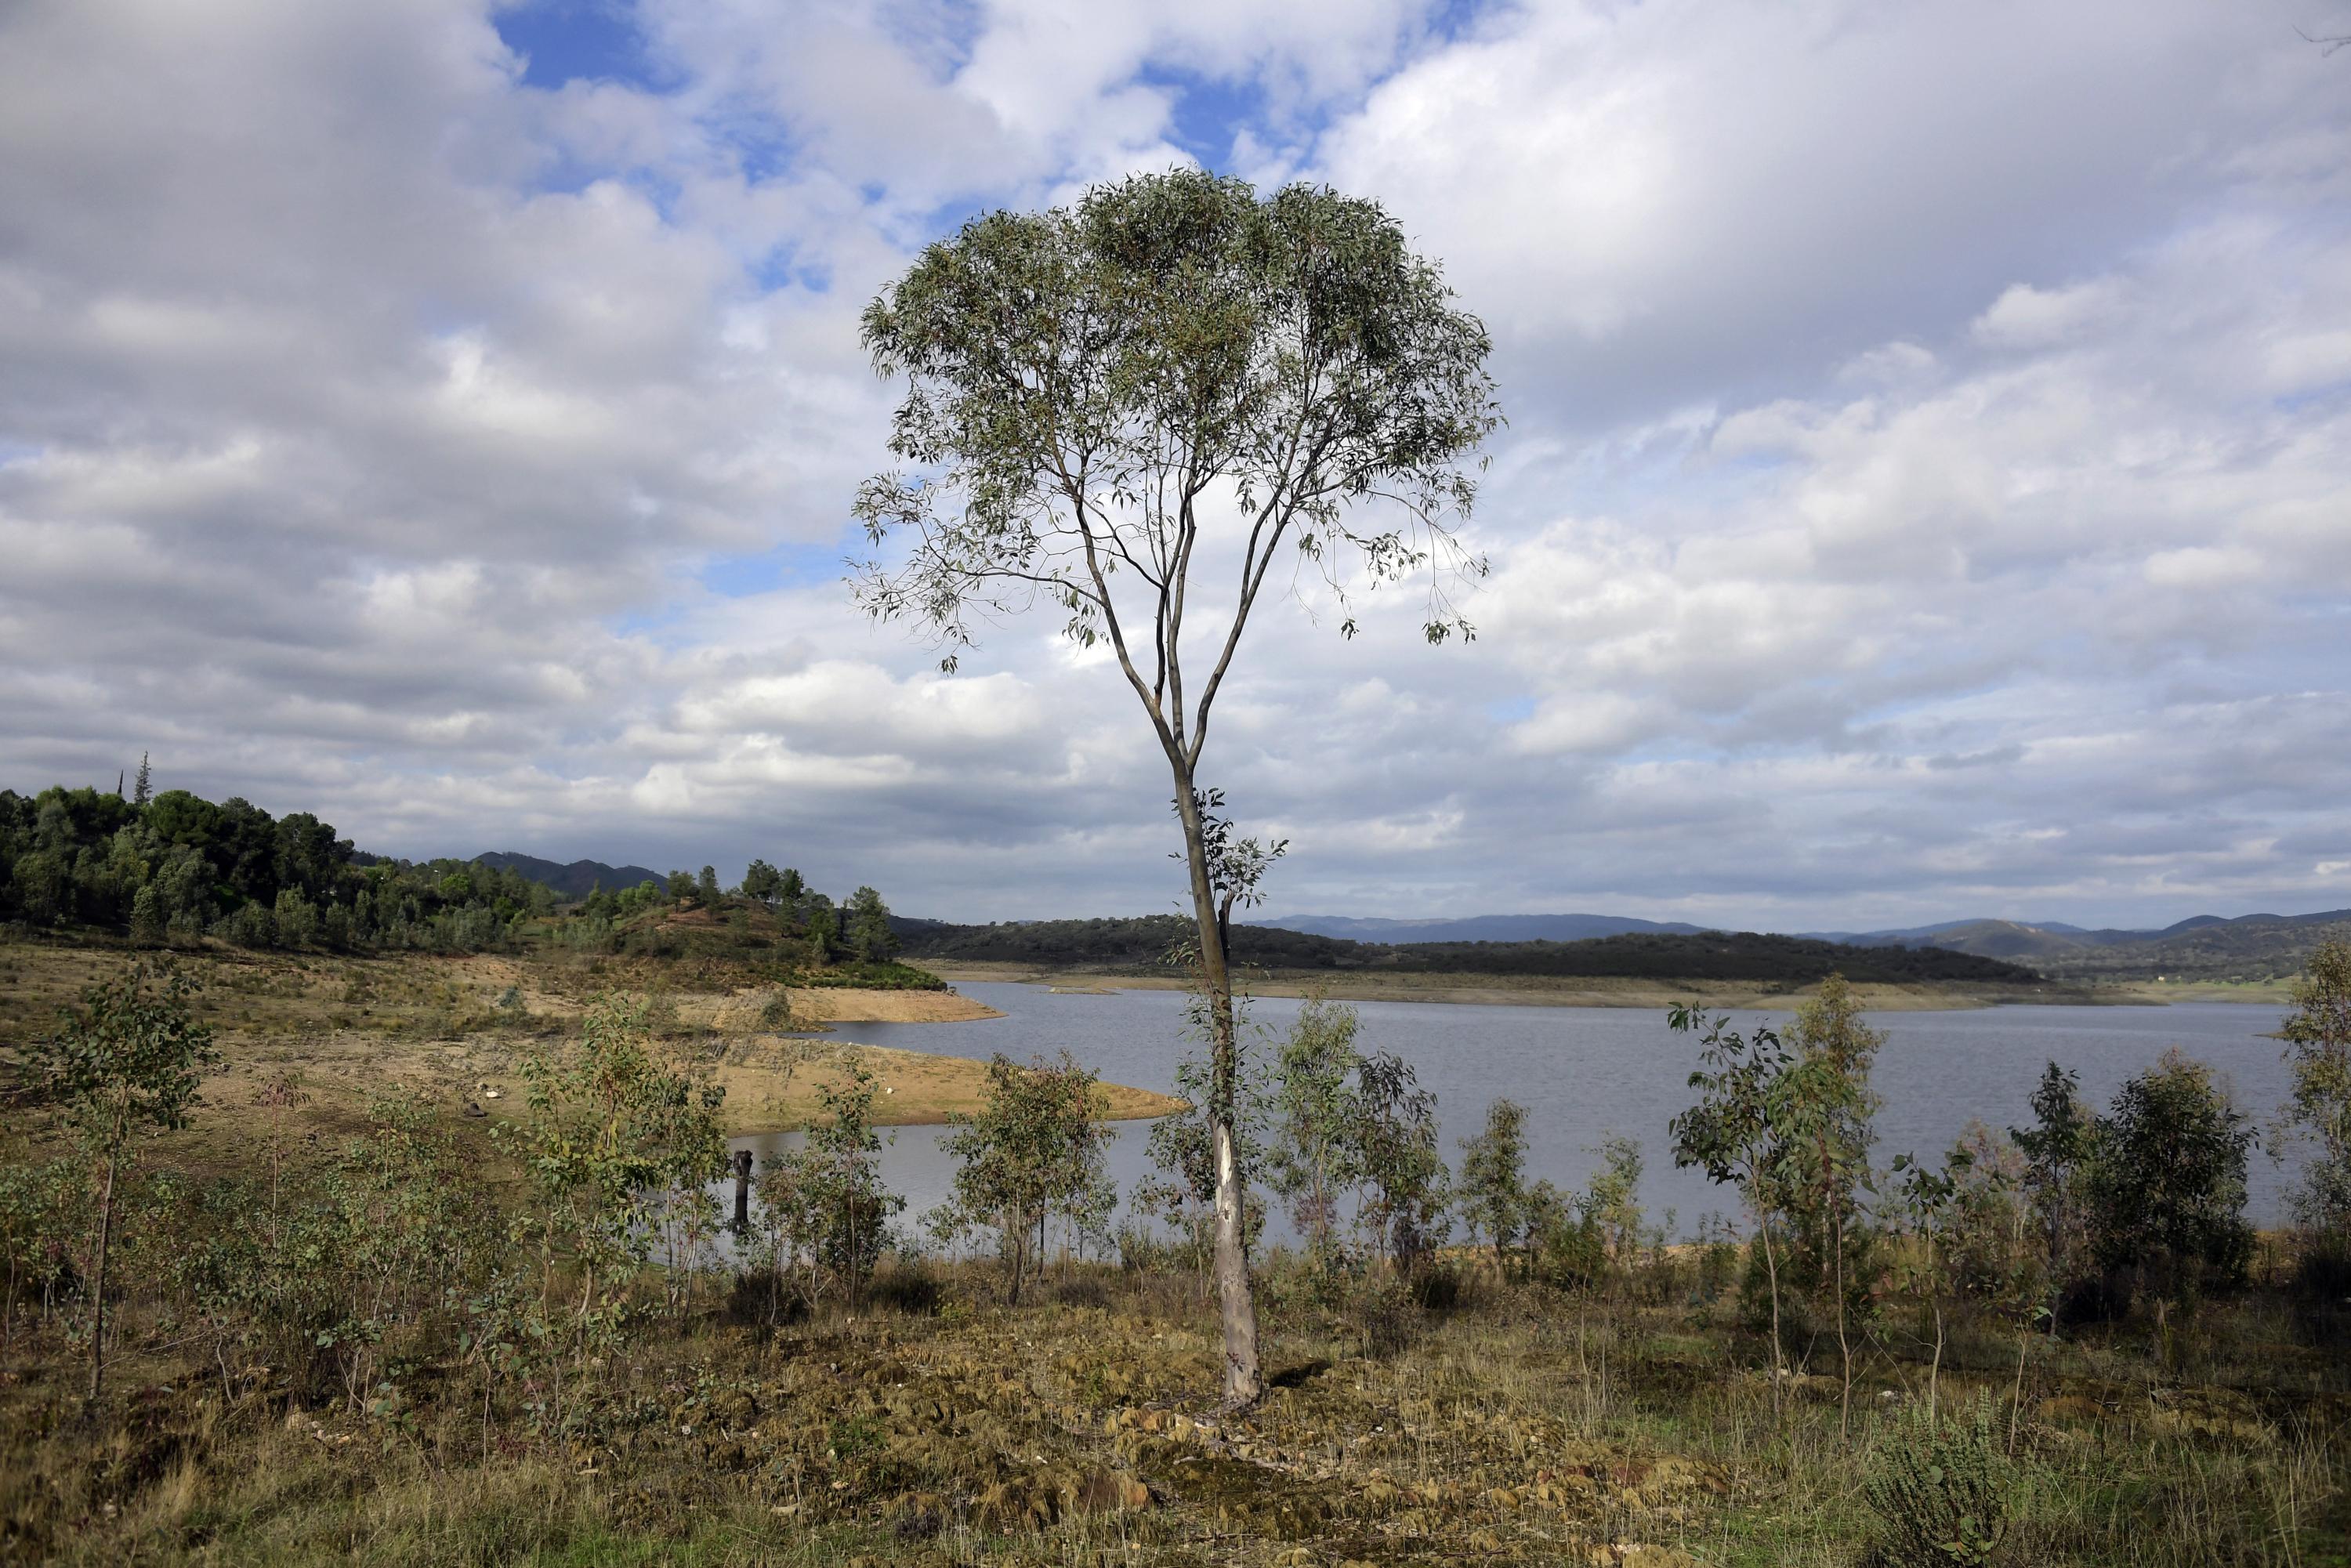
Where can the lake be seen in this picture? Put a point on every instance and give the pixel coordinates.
(1585, 1073)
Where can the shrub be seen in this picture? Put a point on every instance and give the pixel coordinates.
(1943, 1489)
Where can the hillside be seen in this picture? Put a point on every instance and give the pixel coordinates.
(1477, 927)
(2203, 947)
(1145, 942)
(577, 880)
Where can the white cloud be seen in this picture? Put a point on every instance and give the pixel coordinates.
(1922, 491)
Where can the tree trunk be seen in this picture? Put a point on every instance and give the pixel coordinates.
(1244, 1381)
(98, 1293)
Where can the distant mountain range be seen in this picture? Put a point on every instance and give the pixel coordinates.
(577, 880)
(2204, 946)
(1478, 927)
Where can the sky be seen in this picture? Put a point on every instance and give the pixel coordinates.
(1926, 489)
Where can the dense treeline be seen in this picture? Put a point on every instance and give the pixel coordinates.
(177, 868)
(1744, 955)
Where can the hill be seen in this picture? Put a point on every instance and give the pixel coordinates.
(2201, 948)
(574, 881)
(1477, 927)
(1145, 942)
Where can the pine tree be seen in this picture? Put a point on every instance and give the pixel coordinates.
(140, 791)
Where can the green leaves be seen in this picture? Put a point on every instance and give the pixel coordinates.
(1090, 390)
(130, 1058)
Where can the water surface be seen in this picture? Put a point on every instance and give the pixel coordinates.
(1585, 1073)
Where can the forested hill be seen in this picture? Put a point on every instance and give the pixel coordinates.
(1145, 941)
(577, 880)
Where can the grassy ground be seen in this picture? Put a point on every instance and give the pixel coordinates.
(453, 1029)
(1538, 991)
(940, 1427)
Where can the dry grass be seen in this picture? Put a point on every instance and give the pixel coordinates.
(940, 1427)
(347, 1027)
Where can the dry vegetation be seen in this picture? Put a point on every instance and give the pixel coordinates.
(1461, 1417)
(450, 1028)
(937, 1427)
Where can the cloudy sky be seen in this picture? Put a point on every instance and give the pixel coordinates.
(1928, 488)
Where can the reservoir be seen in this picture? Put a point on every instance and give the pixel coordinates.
(1587, 1074)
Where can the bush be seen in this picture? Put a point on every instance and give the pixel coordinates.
(1943, 1488)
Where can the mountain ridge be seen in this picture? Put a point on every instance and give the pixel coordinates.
(574, 881)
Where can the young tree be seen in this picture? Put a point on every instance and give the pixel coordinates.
(706, 888)
(1731, 1131)
(681, 885)
(2167, 1181)
(1112, 408)
(869, 934)
(826, 1209)
(126, 1063)
(2318, 1034)
(1035, 1150)
(1312, 1112)
(612, 1134)
(2055, 1147)
(1400, 1177)
(1824, 1124)
(1494, 1176)
(142, 792)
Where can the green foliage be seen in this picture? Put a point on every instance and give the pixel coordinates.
(1493, 1178)
(762, 882)
(2167, 1183)
(1400, 1177)
(1309, 1158)
(2056, 1150)
(618, 1143)
(1034, 1151)
(825, 1213)
(706, 888)
(2318, 1033)
(1944, 1490)
(127, 1063)
(176, 868)
(1588, 1241)
(1181, 1192)
(868, 933)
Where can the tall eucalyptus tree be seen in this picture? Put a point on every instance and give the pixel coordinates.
(1134, 412)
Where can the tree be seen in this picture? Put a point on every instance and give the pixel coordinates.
(869, 934)
(826, 1209)
(2318, 1034)
(612, 1136)
(2167, 1182)
(1034, 1150)
(2055, 1148)
(1494, 1175)
(1824, 1124)
(761, 880)
(1110, 404)
(1400, 1177)
(1730, 1132)
(140, 791)
(129, 1061)
(681, 885)
(706, 888)
(1312, 1113)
